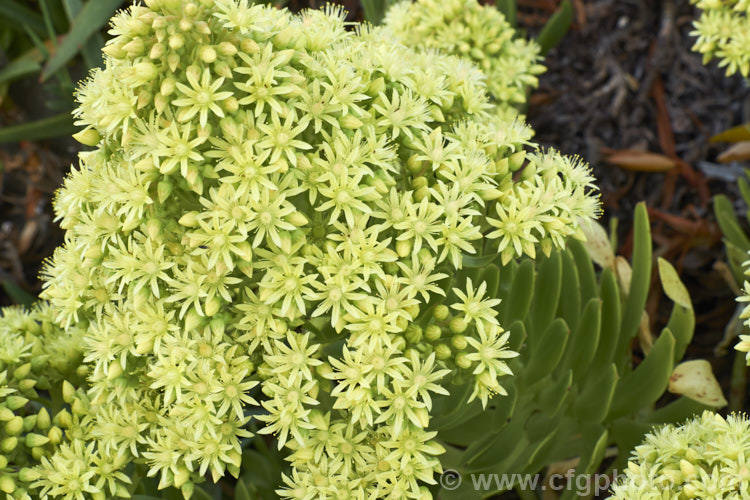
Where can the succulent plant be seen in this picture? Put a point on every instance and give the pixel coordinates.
(703, 458)
(576, 389)
(478, 33)
(737, 245)
(722, 33)
(272, 207)
(41, 405)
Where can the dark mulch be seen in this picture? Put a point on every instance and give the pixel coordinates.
(625, 78)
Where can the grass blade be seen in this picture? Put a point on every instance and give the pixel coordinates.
(18, 69)
(17, 294)
(21, 16)
(46, 128)
(91, 19)
(508, 8)
(556, 28)
(92, 49)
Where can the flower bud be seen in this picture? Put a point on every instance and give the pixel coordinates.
(443, 352)
(115, 50)
(28, 475)
(441, 312)
(163, 190)
(403, 248)
(459, 342)
(227, 49)
(413, 333)
(15, 402)
(190, 219)
(64, 419)
(7, 484)
(185, 24)
(8, 444)
(249, 46)
(55, 435)
(350, 122)
(6, 414)
(68, 391)
(432, 333)
(29, 422)
(43, 420)
(412, 310)
(173, 61)
(458, 325)
(463, 361)
(88, 137)
(14, 426)
(207, 54)
(134, 47)
(157, 51)
(516, 160)
(33, 439)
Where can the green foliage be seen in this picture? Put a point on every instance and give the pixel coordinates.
(737, 245)
(556, 28)
(46, 41)
(575, 388)
(703, 458)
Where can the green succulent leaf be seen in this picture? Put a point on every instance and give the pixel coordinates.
(570, 300)
(93, 17)
(516, 306)
(508, 8)
(585, 341)
(547, 295)
(648, 381)
(546, 352)
(640, 281)
(593, 404)
(729, 224)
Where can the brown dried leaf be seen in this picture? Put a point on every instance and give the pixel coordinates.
(640, 161)
(695, 379)
(736, 152)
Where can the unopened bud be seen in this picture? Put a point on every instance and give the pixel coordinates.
(33, 440)
(14, 426)
(441, 312)
(7, 484)
(8, 444)
(68, 391)
(55, 435)
(88, 136)
(432, 333)
(207, 54)
(458, 325)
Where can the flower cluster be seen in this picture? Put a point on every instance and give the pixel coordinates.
(744, 344)
(722, 33)
(477, 33)
(707, 457)
(40, 369)
(273, 209)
